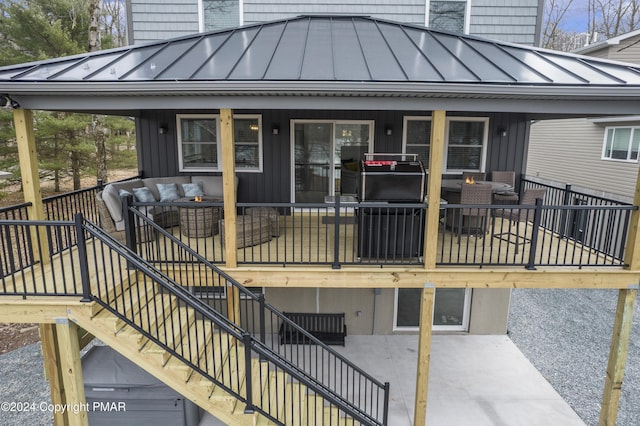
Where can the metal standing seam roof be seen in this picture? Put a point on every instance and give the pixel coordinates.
(328, 49)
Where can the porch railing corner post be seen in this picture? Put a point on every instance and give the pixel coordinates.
(249, 408)
(82, 257)
(336, 234)
(263, 333)
(385, 413)
(565, 213)
(537, 217)
(129, 222)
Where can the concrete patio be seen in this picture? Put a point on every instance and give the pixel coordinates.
(474, 380)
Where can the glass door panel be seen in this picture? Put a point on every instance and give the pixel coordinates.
(351, 143)
(450, 311)
(312, 161)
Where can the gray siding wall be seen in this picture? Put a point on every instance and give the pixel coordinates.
(150, 20)
(158, 153)
(506, 20)
(627, 51)
(410, 11)
(570, 151)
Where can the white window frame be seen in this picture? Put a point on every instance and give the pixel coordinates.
(633, 129)
(201, 14)
(466, 316)
(485, 140)
(216, 117)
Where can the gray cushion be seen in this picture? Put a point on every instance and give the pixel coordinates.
(168, 192)
(212, 185)
(192, 189)
(152, 183)
(111, 196)
(143, 195)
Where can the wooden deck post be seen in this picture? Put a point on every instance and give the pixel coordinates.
(71, 367)
(23, 120)
(622, 323)
(430, 250)
(424, 355)
(52, 372)
(229, 191)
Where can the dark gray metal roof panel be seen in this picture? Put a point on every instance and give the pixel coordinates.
(325, 50)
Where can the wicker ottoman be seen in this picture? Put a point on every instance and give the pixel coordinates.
(198, 221)
(270, 213)
(249, 230)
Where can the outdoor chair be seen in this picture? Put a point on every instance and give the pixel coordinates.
(476, 176)
(473, 219)
(506, 197)
(516, 216)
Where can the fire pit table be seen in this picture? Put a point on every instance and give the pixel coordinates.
(199, 221)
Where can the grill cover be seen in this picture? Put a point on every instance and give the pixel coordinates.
(390, 180)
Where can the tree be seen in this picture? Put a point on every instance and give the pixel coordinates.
(39, 29)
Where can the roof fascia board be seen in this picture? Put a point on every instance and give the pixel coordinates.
(320, 88)
(561, 108)
(606, 43)
(610, 120)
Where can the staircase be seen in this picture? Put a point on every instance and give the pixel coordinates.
(236, 375)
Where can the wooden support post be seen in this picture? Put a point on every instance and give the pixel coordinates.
(622, 323)
(618, 356)
(71, 366)
(52, 371)
(229, 194)
(436, 155)
(229, 186)
(424, 355)
(23, 120)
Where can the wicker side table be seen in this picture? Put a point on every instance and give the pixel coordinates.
(198, 221)
(268, 212)
(249, 230)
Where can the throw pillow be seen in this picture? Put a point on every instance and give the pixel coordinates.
(193, 189)
(143, 195)
(168, 192)
(124, 193)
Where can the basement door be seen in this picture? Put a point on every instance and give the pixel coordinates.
(325, 155)
(450, 312)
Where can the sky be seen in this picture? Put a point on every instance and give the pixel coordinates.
(576, 18)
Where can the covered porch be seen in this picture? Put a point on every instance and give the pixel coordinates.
(396, 73)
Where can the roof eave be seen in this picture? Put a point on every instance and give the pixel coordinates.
(320, 88)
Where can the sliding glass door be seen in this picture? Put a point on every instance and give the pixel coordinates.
(325, 157)
(450, 311)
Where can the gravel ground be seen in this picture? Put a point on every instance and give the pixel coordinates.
(566, 335)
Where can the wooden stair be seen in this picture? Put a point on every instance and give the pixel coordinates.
(213, 350)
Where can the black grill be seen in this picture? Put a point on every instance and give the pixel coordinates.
(391, 181)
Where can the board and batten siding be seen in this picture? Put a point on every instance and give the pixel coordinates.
(151, 20)
(409, 11)
(158, 153)
(569, 151)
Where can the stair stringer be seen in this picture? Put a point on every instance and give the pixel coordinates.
(215, 400)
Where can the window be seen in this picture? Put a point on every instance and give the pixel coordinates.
(199, 147)
(465, 144)
(447, 15)
(218, 14)
(621, 143)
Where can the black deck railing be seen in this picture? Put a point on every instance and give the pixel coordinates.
(319, 362)
(199, 332)
(534, 235)
(383, 234)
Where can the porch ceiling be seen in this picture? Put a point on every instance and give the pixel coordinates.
(324, 61)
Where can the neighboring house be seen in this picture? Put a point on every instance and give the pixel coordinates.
(260, 103)
(600, 154)
(517, 21)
